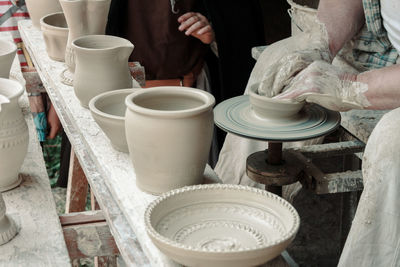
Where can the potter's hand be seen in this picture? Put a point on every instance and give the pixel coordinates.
(311, 45)
(53, 122)
(326, 85)
(197, 25)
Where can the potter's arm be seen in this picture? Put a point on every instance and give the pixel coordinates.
(383, 87)
(343, 19)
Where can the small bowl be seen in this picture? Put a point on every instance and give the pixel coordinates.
(55, 34)
(221, 225)
(7, 54)
(273, 109)
(108, 110)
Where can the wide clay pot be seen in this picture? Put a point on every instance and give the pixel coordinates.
(84, 17)
(8, 228)
(108, 110)
(39, 8)
(14, 135)
(55, 34)
(101, 65)
(7, 55)
(169, 131)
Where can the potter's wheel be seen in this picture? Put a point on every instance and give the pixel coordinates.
(236, 116)
(274, 167)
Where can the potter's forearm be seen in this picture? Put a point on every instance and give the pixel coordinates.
(343, 19)
(383, 87)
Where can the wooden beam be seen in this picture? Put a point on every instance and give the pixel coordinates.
(77, 187)
(89, 240)
(84, 217)
(331, 149)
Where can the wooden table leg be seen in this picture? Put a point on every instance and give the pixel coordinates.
(77, 188)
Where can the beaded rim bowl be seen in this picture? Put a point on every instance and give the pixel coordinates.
(278, 213)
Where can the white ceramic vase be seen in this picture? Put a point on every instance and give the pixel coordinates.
(55, 34)
(7, 55)
(84, 17)
(14, 135)
(39, 8)
(8, 228)
(101, 65)
(169, 132)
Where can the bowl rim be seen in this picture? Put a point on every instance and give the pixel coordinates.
(4, 82)
(253, 94)
(94, 109)
(49, 26)
(262, 193)
(209, 101)
(98, 37)
(12, 48)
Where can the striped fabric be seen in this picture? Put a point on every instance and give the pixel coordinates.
(10, 25)
(372, 47)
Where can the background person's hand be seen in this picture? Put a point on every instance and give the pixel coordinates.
(324, 84)
(197, 25)
(53, 123)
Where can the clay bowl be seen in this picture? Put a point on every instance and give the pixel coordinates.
(221, 225)
(273, 109)
(7, 55)
(55, 35)
(108, 110)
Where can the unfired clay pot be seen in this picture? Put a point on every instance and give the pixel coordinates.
(101, 65)
(55, 34)
(7, 55)
(84, 17)
(273, 109)
(108, 110)
(13, 134)
(39, 8)
(8, 228)
(169, 131)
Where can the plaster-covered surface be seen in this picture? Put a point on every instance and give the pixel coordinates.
(40, 241)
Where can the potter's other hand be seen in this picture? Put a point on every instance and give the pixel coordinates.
(312, 45)
(324, 84)
(53, 122)
(197, 25)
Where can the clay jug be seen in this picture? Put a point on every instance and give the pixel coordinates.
(84, 17)
(39, 8)
(8, 228)
(14, 135)
(101, 65)
(169, 132)
(7, 55)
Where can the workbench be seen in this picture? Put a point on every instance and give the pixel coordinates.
(110, 173)
(40, 240)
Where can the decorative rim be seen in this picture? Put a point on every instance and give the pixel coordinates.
(92, 102)
(207, 98)
(167, 241)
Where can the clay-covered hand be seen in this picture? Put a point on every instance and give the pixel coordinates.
(309, 47)
(324, 84)
(197, 25)
(53, 122)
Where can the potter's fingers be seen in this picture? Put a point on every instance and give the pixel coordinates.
(195, 27)
(189, 22)
(205, 29)
(186, 16)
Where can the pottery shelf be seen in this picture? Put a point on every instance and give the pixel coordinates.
(40, 240)
(109, 173)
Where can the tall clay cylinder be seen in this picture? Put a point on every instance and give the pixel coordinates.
(39, 8)
(13, 135)
(84, 17)
(169, 132)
